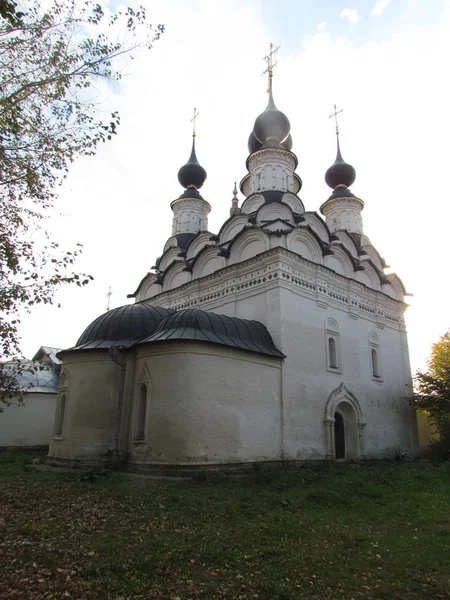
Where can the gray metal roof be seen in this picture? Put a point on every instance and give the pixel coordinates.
(123, 326)
(32, 376)
(202, 326)
(48, 352)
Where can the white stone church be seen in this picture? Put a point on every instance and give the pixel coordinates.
(279, 338)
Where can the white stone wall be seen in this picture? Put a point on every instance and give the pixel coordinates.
(344, 213)
(190, 215)
(91, 382)
(29, 423)
(389, 421)
(271, 169)
(293, 297)
(207, 405)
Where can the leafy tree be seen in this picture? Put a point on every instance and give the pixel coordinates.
(433, 393)
(8, 11)
(52, 63)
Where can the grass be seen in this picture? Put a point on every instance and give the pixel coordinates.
(336, 533)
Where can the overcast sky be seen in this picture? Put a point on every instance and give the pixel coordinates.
(385, 62)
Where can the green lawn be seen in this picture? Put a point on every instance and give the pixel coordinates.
(343, 532)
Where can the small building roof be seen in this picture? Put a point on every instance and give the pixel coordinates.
(33, 376)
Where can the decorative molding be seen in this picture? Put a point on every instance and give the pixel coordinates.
(373, 338)
(279, 266)
(191, 203)
(331, 325)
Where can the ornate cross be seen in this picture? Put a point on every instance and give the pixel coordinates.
(196, 113)
(335, 114)
(270, 60)
(108, 295)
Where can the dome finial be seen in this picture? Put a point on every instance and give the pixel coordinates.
(340, 174)
(234, 210)
(192, 174)
(334, 115)
(271, 63)
(272, 126)
(196, 113)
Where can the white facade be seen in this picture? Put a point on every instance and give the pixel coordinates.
(318, 287)
(344, 213)
(190, 215)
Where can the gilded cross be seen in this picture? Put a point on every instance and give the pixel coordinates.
(196, 113)
(335, 115)
(271, 63)
(108, 295)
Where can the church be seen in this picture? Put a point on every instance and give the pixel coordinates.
(279, 339)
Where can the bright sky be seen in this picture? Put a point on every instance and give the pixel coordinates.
(384, 61)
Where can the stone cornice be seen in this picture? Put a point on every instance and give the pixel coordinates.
(283, 268)
(282, 151)
(350, 200)
(186, 200)
(203, 348)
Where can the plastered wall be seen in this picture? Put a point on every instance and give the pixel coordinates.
(207, 404)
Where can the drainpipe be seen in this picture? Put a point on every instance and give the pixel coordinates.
(116, 354)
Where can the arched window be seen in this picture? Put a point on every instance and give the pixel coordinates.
(332, 345)
(332, 353)
(60, 416)
(139, 433)
(375, 367)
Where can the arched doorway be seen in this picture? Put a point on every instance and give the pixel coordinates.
(344, 426)
(339, 436)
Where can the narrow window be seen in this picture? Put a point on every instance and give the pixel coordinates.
(141, 413)
(61, 414)
(332, 353)
(375, 368)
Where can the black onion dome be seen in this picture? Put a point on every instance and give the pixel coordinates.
(192, 174)
(340, 173)
(191, 192)
(287, 144)
(272, 123)
(201, 326)
(253, 143)
(123, 326)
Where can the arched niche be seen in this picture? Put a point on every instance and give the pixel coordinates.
(337, 264)
(273, 211)
(363, 277)
(394, 287)
(149, 290)
(372, 275)
(294, 202)
(198, 243)
(168, 258)
(207, 263)
(175, 277)
(248, 245)
(374, 256)
(344, 425)
(347, 241)
(141, 403)
(252, 203)
(171, 242)
(232, 228)
(303, 243)
(317, 225)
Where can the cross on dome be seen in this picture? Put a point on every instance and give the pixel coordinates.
(269, 59)
(335, 116)
(196, 113)
(108, 295)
